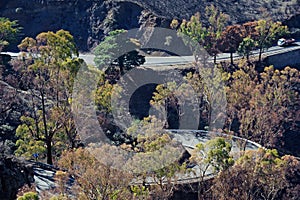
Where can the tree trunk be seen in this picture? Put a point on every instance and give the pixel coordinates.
(231, 58)
(122, 70)
(121, 66)
(48, 141)
(49, 152)
(260, 52)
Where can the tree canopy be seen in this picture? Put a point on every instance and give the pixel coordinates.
(47, 68)
(9, 31)
(117, 50)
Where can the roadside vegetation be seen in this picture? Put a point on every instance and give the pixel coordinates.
(262, 106)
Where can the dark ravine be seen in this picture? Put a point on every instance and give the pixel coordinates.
(88, 21)
(13, 175)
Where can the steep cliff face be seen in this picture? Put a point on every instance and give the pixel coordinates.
(90, 20)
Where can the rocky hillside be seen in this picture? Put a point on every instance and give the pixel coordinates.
(90, 20)
(238, 10)
(86, 20)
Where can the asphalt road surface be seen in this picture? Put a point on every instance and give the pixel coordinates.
(177, 60)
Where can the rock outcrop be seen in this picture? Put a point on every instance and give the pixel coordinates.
(13, 175)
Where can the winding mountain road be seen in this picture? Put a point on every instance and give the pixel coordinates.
(44, 176)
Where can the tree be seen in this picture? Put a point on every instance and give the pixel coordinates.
(47, 70)
(196, 103)
(276, 96)
(195, 31)
(117, 50)
(238, 92)
(246, 47)
(232, 36)
(201, 36)
(165, 98)
(217, 22)
(93, 179)
(156, 164)
(165, 180)
(211, 157)
(251, 95)
(8, 32)
(260, 174)
(250, 28)
(267, 32)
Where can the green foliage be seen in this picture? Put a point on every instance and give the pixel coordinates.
(29, 196)
(260, 174)
(48, 74)
(32, 137)
(214, 153)
(203, 91)
(217, 21)
(194, 29)
(105, 92)
(8, 31)
(140, 192)
(193, 33)
(218, 155)
(246, 47)
(267, 32)
(196, 35)
(117, 50)
(52, 47)
(149, 134)
(59, 197)
(27, 146)
(164, 92)
(103, 96)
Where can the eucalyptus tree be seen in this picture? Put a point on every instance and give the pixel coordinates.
(197, 35)
(47, 68)
(267, 32)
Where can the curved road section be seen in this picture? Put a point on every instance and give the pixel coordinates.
(189, 139)
(44, 174)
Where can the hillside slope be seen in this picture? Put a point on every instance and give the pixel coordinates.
(90, 20)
